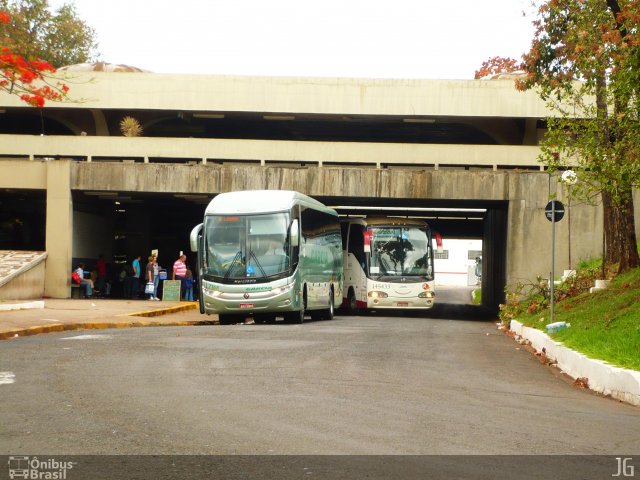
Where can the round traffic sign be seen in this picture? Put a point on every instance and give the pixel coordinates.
(554, 211)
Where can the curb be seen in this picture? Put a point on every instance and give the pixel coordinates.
(620, 383)
(62, 327)
(161, 311)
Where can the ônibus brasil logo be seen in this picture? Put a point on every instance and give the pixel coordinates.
(36, 469)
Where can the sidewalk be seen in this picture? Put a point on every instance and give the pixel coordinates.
(55, 315)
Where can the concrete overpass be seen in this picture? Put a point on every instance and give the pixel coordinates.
(414, 146)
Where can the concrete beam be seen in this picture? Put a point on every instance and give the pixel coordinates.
(339, 96)
(21, 174)
(271, 151)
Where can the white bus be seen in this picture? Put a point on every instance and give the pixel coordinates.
(388, 264)
(267, 253)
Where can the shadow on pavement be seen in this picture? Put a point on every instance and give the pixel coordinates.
(447, 311)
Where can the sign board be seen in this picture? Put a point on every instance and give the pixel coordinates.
(554, 211)
(171, 290)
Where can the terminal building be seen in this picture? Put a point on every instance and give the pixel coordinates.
(460, 153)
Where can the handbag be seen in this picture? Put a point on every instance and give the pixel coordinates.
(148, 288)
(75, 277)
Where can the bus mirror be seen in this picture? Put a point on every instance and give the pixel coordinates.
(193, 238)
(438, 237)
(294, 233)
(367, 241)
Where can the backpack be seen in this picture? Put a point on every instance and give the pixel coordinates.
(75, 277)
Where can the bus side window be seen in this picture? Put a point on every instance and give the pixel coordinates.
(356, 242)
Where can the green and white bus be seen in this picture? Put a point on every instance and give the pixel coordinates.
(388, 264)
(268, 253)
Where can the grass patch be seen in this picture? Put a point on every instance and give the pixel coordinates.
(604, 325)
(477, 296)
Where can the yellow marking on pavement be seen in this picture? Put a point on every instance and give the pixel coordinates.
(162, 311)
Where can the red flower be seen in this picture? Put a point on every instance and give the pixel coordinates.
(27, 78)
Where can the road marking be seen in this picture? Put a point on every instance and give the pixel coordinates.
(88, 337)
(7, 378)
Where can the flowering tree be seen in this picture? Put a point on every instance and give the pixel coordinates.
(38, 31)
(497, 65)
(585, 62)
(29, 79)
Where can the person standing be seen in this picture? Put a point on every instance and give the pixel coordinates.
(188, 286)
(180, 272)
(101, 267)
(135, 279)
(148, 274)
(156, 277)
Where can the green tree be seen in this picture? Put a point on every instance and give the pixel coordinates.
(28, 79)
(35, 32)
(585, 61)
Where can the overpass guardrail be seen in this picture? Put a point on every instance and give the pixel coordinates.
(268, 152)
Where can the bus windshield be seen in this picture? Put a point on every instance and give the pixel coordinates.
(247, 246)
(400, 251)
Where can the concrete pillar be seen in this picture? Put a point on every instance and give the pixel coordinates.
(59, 229)
(494, 250)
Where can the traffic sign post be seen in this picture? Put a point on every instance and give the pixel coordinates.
(554, 211)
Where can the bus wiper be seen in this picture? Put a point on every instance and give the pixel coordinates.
(255, 259)
(238, 259)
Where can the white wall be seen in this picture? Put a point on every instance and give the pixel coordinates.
(457, 269)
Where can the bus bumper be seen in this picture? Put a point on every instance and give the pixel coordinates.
(400, 303)
(283, 299)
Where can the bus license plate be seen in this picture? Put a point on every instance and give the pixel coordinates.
(246, 305)
(403, 304)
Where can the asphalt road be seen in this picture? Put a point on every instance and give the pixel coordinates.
(435, 383)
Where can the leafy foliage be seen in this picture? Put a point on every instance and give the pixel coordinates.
(534, 297)
(28, 78)
(496, 65)
(34, 32)
(585, 61)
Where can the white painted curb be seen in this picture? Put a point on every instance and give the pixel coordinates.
(21, 306)
(621, 383)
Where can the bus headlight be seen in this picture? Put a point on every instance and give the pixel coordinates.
(425, 295)
(376, 294)
(211, 293)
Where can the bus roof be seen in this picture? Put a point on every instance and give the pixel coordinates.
(261, 201)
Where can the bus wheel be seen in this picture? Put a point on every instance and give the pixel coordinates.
(328, 313)
(294, 317)
(352, 305)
